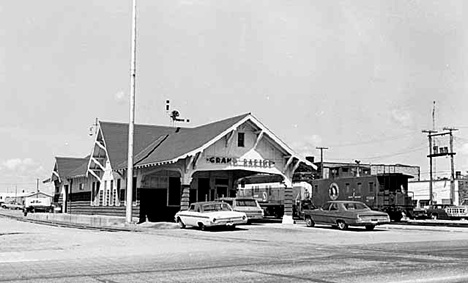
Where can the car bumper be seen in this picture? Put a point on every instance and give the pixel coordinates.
(222, 222)
(254, 216)
(366, 222)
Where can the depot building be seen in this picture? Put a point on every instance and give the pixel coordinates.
(173, 167)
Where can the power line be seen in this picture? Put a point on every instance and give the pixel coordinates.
(387, 155)
(373, 141)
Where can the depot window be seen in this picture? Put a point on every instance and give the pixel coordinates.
(240, 139)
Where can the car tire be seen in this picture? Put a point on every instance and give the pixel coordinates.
(341, 225)
(180, 223)
(202, 226)
(309, 222)
(370, 227)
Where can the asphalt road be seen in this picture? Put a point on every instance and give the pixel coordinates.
(253, 253)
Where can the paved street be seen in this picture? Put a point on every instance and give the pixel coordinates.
(254, 253)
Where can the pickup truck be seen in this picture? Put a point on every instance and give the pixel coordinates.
(435, 211)
(35, 204)
(458, 212)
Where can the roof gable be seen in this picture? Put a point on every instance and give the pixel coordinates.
(65, 166)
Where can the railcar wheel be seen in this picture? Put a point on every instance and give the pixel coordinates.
(342, 225)
(309, 222)
(370, 227)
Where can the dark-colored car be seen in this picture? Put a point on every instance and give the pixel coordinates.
(346, 213)
(437, 211)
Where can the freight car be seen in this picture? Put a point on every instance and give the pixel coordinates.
(386, 192)
(270, 195)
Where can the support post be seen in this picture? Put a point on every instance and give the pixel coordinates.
(288, 205)
(185, 199)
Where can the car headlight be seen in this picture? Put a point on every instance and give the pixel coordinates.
(243, 217)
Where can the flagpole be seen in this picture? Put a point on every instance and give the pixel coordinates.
(128, 214)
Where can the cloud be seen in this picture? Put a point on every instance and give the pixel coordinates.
(402, 117)
(307, 146)
(464, 149)
(121, 97)
(18, 164)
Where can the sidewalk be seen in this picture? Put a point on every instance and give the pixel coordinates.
(101, 222)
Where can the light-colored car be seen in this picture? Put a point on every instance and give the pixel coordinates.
(346, 213)
(247, 205)
(210, 214)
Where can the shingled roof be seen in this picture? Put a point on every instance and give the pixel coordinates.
(156, 144)
(65, 166)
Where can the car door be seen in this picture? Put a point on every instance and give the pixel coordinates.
(332, 214)
(320, 215)
(189, 215)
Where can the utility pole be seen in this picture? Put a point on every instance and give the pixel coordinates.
(429, 135)
(452, 166)
(321, 159)
(128, 211)
(434, 165)
(37, 185)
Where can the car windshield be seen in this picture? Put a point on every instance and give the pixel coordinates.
(221, 206)
(246, 202)
(355, 205)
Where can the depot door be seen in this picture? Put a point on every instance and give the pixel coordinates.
(153, 205)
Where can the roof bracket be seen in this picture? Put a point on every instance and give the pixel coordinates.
(288, 163)
(95, 175)
(259, 137)
(229, 137)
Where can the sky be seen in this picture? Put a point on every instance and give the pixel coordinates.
(357, 77)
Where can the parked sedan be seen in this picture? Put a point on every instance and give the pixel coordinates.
(247, 205)
(210, 214)
(344, 214)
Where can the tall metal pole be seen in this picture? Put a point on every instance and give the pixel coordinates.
(128, 214)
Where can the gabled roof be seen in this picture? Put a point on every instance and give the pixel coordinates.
(38, 193)
(65, 166)
(116, 139)
(161, 144)
(172, 143)
(81, 170)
